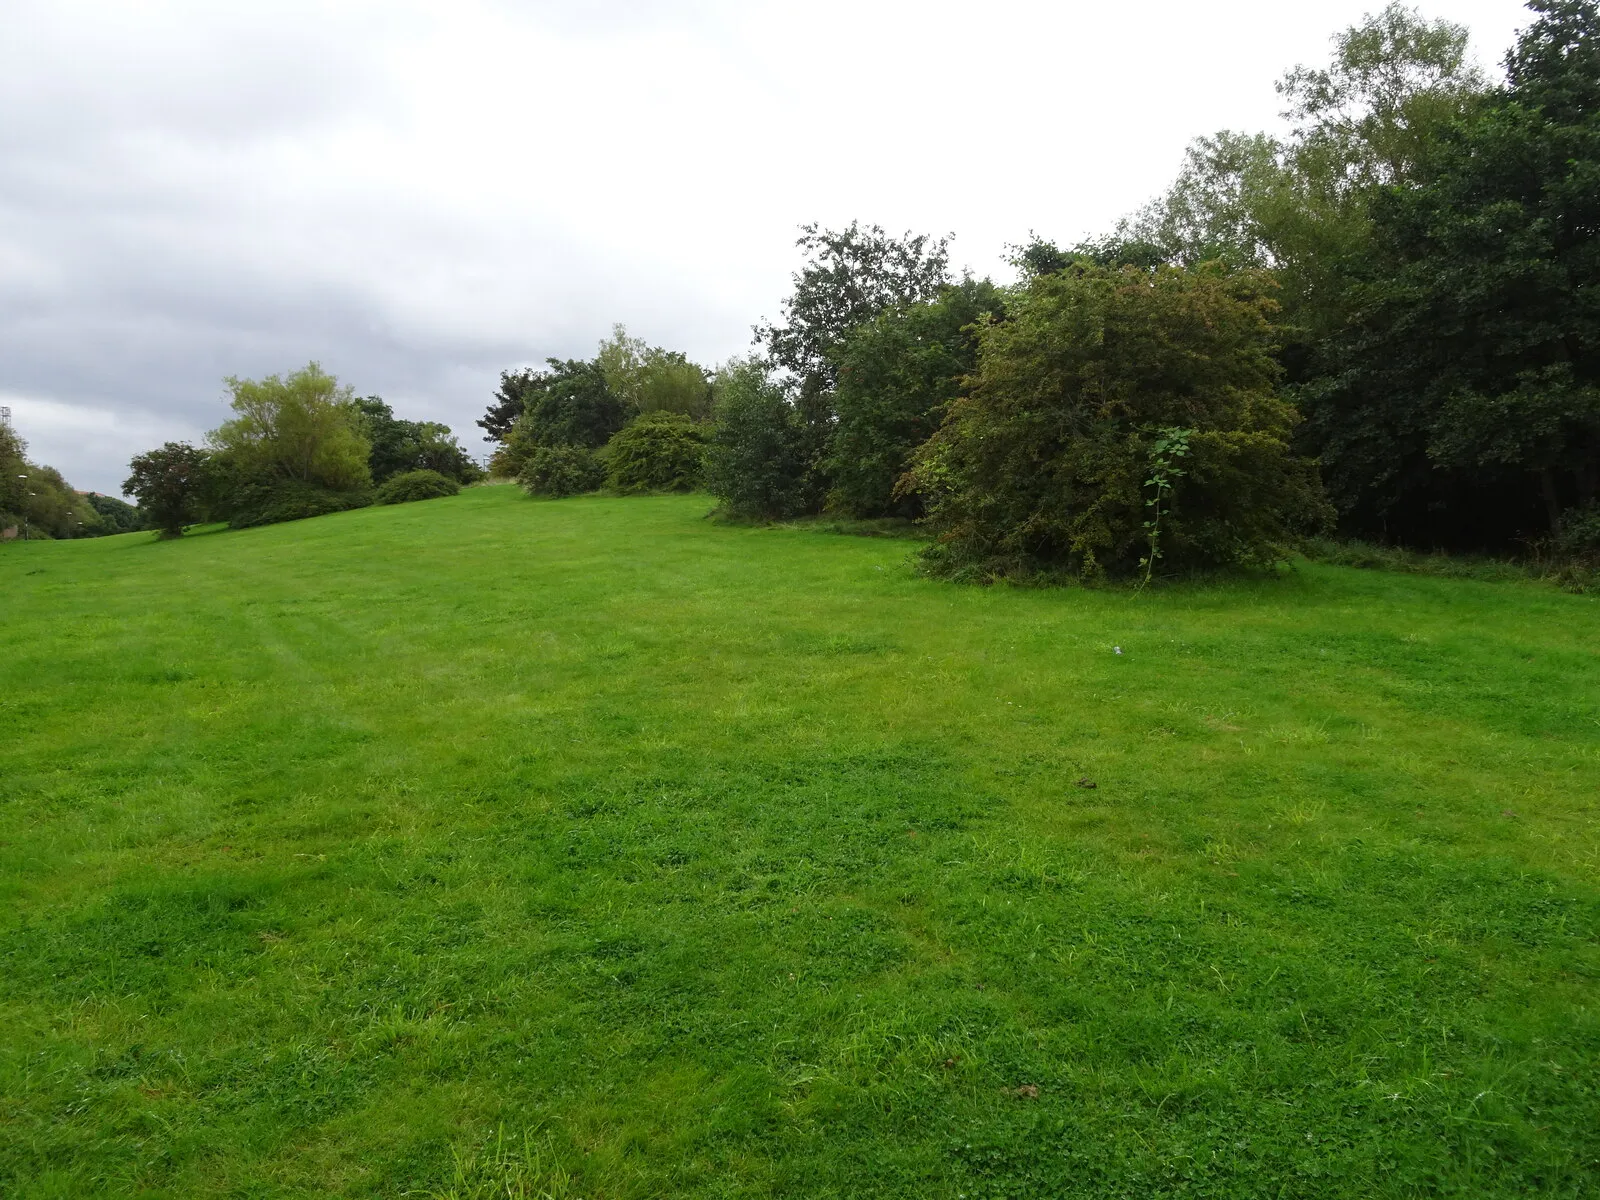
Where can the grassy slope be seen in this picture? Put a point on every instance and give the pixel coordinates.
(590, 847)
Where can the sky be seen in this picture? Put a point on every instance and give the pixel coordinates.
(419, 195)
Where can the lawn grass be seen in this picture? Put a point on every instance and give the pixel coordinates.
(495, 847)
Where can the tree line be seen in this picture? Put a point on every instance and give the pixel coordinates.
(36, 502)
(1382, 323)
(297, 445)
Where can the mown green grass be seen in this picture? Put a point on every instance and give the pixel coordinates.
(491, 847)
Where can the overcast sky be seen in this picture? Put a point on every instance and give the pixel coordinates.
(418, 195)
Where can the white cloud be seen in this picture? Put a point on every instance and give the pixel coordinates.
(419, 193)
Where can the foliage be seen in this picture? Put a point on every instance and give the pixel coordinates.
(1167, 451)
(1469, 372)
(648, 379)
(569, 405)
(1395, 83)
(1372, 556)
(755, 464)
(896, 374)
(270, 501)
(36, 500)
(722, 861)
(561, 470)
(399, 445)
(573, 407)
(850, 277)
(302, 427)
(172, 484)
(1579, 540)
(14, 467)
(506, 461)
(510, 399)
(116, 516)
(656, 452)
(53, 508)
(416, 485)
(1046, 463)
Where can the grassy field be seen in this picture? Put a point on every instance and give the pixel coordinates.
(493, 847)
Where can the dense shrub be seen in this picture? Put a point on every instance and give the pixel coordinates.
(656, 452)
(273, 501)
(554, 471)
(755, 464)
(1578, 542)
(1121, 421)
(416, 485)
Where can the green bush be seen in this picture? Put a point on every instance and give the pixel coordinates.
(416, 485)
(275, 501)
(1121, 422)
(554, 471)
(755, 465)
(656, 452)
(1579, 539)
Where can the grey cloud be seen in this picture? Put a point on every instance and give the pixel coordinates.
(419, 193)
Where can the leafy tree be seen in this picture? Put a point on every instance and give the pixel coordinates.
(37, 499)
(416, 485)
(1468, 377)
(116, 516)
(561, 470)
(755, 464)
(1301, 205)
(896, 375)
(572, 406)
(509, 401)
(14, 466)
(399, 445)
(302, 427)
(1396, 81)
(656, 452)
(53, 509)
(172, 484)
(1118, 418)
(850, 277)
(649, 379)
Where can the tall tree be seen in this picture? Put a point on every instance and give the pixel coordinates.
(850, 277)
(302, 427)
(1472, 365)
